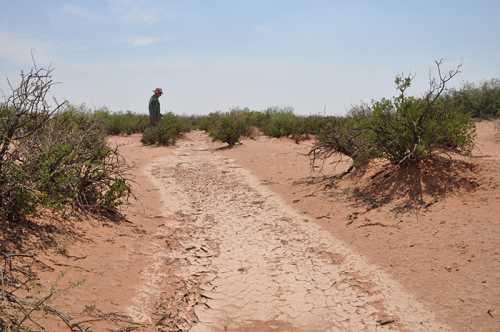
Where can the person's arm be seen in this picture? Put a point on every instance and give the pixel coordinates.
(151, 105)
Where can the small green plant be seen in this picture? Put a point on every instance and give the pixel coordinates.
(229, 127)
(208, 122)
(170, 128)
(282, 123)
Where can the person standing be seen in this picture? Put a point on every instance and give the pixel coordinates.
(154, 107)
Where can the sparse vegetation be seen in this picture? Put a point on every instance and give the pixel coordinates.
(170, 128)
(276, 122)
(229, 127)
(281, 123)
(53, 157)
(120, 123)
(406, 131)
(346, 136)
(72, 166)
(479, 100)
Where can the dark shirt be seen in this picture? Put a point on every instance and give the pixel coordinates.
(154, 105)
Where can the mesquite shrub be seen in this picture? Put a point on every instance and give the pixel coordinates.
(479, 100)
(404, 130)
(170, 128)
(229, 127)
(52, 157)
(345, 136)
(71, 165)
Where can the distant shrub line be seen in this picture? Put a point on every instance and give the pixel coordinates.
(477, 101)
(386, 124)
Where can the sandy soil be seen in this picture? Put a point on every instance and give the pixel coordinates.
(447, 255)
(266, 266)
(102, 268)
(247, 239)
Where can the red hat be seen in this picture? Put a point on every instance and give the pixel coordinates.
(158, 90)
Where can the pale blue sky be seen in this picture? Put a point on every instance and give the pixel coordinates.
(213, 55)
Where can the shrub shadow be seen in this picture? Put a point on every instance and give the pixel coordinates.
(409, 187)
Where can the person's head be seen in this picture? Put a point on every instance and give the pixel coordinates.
(158, 92)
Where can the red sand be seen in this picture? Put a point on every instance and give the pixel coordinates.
(446, 256)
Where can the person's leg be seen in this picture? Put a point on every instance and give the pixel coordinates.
(151, 118)
(157, 117)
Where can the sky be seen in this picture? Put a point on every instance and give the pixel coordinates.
(317, 56)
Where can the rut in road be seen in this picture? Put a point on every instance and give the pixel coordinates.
(261, 265)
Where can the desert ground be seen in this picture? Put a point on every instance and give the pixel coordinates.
(255, 239)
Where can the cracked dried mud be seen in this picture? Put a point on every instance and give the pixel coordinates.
(253, 263)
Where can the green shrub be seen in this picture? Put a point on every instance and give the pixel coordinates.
(480, 101)
(281, 123)
(229, 127)
(114, 123)
(208, 122)
(409, 129)
(122, 122)
(313, 124)
(170, 128)
(17, 199)
(54, 158)
(273, 122)
(345, 136)
(71, 166)
(404, 130)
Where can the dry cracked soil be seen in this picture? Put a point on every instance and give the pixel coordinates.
(252, 262)
(230, 240)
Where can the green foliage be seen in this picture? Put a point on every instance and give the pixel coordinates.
(170, 128)
(71, 165)
(229, 127)
(480, 101)
(410, 129)
(122, 122)
(17, 199)
(208, 122)
(404, 130)
(282, 123)
(54, 157)
(114, 123)
(51, 156)
(346, 136)
(273, 122)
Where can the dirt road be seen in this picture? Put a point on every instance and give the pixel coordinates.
(253, 263)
